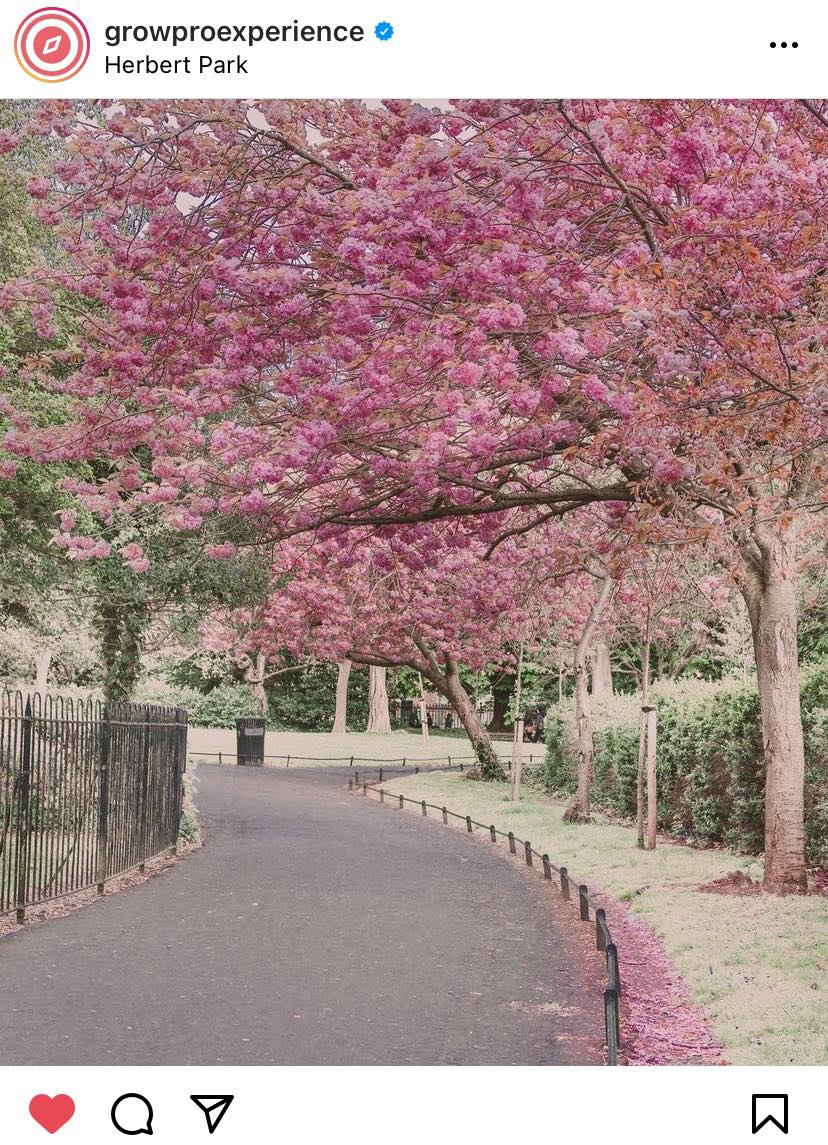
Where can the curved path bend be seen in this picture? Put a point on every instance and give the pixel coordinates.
(312, 929)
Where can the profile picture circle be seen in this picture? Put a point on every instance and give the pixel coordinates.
(51, 44)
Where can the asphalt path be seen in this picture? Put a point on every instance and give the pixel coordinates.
(313, 928)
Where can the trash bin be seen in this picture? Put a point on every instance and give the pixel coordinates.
(250, 741)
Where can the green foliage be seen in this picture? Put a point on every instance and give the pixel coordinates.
(305, 700)
(710, 763)
(560, 775)
(188, 827)
(222, 706)
(812, 634)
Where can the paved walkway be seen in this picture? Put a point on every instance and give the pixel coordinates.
(312, 928)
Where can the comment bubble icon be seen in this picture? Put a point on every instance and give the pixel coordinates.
(132, 1114)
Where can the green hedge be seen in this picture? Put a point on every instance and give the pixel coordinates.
(299, 701)
(710, 763)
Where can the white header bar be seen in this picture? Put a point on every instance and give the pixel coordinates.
(344, 48)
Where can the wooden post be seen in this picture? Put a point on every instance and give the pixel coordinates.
(517, 741)
(642, 734)
(652, 791)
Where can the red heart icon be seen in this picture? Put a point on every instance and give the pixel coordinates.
(52, 1112)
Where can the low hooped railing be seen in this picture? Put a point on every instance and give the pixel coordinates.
(403, 764)
(568, 887)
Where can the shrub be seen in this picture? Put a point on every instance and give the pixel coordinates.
(301, 701)
(221, 706)
(710, 761)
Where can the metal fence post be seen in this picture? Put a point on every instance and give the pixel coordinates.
(145, 749)
(180, 759)
(24, 789)
(103, 798)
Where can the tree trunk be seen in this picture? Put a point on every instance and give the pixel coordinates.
(642, 733)
(43, 662)
(517, 762)
(254, 675)
(771, 599)
(340, 724)
(423, 711)
(601, 672)
(452, 687)
(121, 626)
(379, 719)
(579, 812)
(517, 739)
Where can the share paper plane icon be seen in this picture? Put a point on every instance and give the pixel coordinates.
(213, 1107)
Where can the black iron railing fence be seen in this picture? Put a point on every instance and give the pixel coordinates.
(568, 887)
(406, 713)
(88, 791)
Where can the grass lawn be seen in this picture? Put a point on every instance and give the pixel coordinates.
(318, 747)
(758, 965)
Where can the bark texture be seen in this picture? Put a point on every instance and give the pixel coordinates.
(579, 812)
(770, 594)
(254, 675)
(340, 724)
(43, 662)
(601, 672)
(379, 719)
(452, 688)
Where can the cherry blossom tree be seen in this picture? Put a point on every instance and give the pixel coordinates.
(323, 316)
